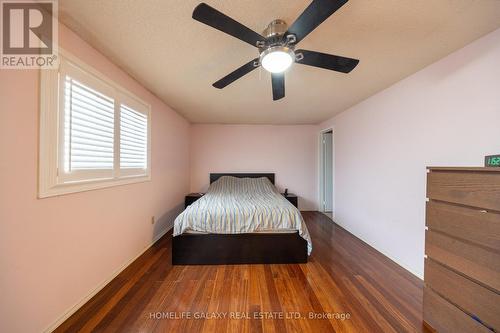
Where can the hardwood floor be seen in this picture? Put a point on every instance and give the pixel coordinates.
(346, 285)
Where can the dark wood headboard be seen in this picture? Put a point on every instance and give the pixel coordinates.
(215, 176)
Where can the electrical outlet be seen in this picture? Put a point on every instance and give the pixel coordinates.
(152, 220)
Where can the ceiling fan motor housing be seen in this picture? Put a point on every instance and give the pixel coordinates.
(275, 28)
(275, 35)
(276, 40)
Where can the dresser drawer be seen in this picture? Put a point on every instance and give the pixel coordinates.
(466, 294)
(478, 189)
(475, 225)
(474, 261)
(447, 318)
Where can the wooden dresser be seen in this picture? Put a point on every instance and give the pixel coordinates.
(462, 244)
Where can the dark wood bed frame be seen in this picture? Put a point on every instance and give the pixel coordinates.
(222, 249)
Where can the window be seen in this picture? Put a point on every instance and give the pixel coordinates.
(133, 139)
(88, 132)
(93, 133)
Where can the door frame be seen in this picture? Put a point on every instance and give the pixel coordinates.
(321, 185)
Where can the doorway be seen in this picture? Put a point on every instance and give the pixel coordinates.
(326, 172)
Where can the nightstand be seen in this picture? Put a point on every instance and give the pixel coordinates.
(292, 198)
(192, 197)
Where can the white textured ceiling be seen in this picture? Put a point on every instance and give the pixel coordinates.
(178, 58)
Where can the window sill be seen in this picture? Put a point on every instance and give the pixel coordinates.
(62, 189)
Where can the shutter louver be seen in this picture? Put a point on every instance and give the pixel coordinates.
(88, 128)
(133, 139)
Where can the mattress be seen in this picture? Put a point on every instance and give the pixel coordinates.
(275, 231)
(241, 205)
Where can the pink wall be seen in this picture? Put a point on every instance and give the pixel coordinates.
(55, 251)
(289, 151)
(445, 115)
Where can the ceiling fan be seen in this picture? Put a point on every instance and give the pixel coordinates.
(277, 44)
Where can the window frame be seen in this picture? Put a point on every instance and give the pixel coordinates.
(53, 180)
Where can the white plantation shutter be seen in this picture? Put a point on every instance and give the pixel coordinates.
(88, 128)
(133, 139)
(93, 133)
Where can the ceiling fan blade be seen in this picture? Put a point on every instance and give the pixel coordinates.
(278, 82)
(314, 15)
(327, 61)
(212, 17)
(235, 75)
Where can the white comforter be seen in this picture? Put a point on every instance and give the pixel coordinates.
(241, 205)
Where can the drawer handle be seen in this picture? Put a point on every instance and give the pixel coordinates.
(483, 211)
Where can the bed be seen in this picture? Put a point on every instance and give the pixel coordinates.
(242, 219)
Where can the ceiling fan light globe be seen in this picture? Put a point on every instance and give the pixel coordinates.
(277, 60)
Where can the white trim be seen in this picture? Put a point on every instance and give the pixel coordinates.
(320, 170)
(89, 185)
(50, 180)
(397, 261)
(68, 313)
(49, 123)
(91, 70)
